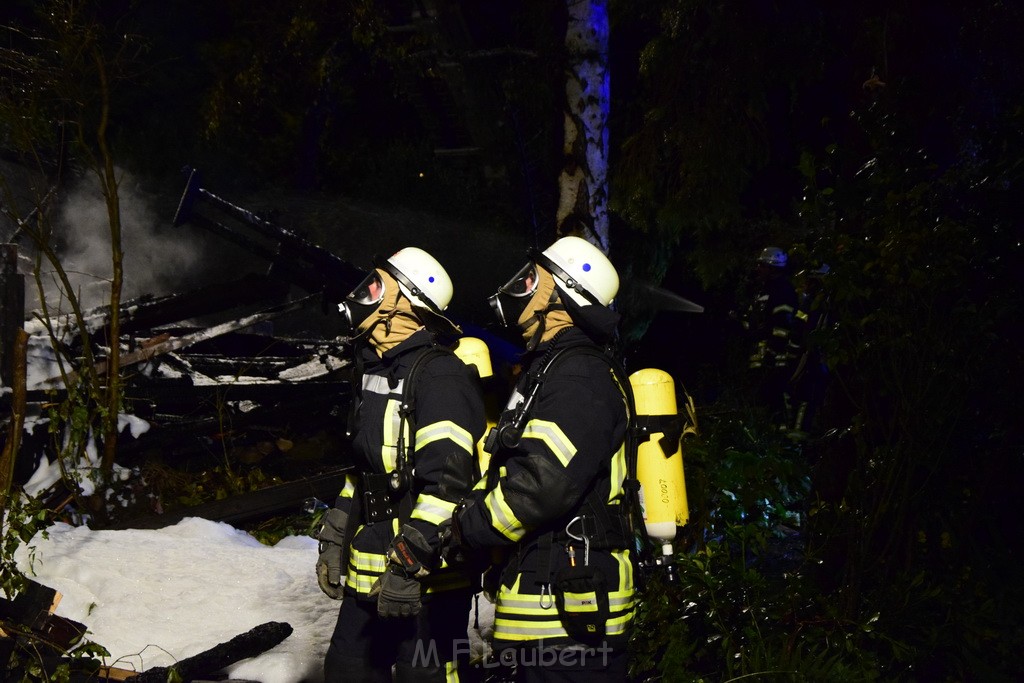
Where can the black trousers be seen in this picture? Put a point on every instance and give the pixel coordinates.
(367, 648)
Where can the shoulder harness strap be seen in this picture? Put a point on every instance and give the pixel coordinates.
(402, 476)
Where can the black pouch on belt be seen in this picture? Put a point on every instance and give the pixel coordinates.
(581, 595)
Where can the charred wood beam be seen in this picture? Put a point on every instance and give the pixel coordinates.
(283, 498)
(250, 289)
(195, 410)
(147, 311)
(167, 395)
(31, 621)
(249, 644)
(308, 265)
(175, 343)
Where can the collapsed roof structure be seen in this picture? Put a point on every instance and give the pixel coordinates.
(204, 376)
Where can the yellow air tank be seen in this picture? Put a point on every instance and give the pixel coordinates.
(662, 482)
(473, 351)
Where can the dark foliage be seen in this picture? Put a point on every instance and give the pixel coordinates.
(883, 139)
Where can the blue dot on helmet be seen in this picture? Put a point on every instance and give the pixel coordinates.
(586, 267)
(430, 279)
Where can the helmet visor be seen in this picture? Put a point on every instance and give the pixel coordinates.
(369, 292)
(523, 284)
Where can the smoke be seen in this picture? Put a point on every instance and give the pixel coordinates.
(157, 258)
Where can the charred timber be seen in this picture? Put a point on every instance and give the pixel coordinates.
(292, 257)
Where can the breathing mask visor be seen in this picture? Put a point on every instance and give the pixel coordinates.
(514, 296)
(361, 302)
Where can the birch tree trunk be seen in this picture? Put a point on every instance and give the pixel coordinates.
(583, 182)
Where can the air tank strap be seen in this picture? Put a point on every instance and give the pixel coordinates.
(670, 426)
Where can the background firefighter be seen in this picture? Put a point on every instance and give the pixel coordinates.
(770, 323)
(551, 497)
(403, 609)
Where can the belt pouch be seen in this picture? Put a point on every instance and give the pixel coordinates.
(581, 595)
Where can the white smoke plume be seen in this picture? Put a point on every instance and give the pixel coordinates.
(158, 258)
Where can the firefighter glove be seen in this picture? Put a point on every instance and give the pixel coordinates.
(397, 593)
(332, 545)
(398, 589)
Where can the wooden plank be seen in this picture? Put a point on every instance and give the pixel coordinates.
(34, 609)
(113, 673)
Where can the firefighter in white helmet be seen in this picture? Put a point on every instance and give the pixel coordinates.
(414, 451)
(551, 498)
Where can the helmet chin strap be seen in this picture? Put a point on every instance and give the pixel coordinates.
(399, 322)
(538, 331)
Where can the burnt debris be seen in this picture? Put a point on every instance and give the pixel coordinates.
(205, 376)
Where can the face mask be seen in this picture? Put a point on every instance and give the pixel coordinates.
(512, 298)
(362, 302)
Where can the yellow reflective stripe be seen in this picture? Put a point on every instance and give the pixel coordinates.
(802, 316)
(553, 437)
(362, 561)
(432, 509)
(525, 606)
(621, 602)
(505, 629)
(614, 627)
(580, 602)
(349, 489)
(481, 483)
(360, 584)
(389, 448)
(451, 672)
(783, 308)
(618, 474)
(625, 572)
(780, 332)
(446, 429)
(503, 519)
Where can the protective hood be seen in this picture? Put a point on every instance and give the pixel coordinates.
(377, 309)
(598, 322)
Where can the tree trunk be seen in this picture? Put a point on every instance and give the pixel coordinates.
(583, 183)
(12, 445)
(108, 181)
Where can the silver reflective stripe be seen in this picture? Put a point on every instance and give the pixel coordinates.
(507, 601)
(553, 437)
(446, 429)
(378, 384)
(624, 601)
(432, 509)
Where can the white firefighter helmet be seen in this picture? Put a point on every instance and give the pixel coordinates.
(581, 270)
(773, 257)
(421, 278)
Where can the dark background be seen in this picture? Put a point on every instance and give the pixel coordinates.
(882, 138)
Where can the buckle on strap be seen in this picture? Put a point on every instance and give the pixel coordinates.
(611, 533)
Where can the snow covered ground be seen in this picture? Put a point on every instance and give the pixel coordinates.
(152, 597)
